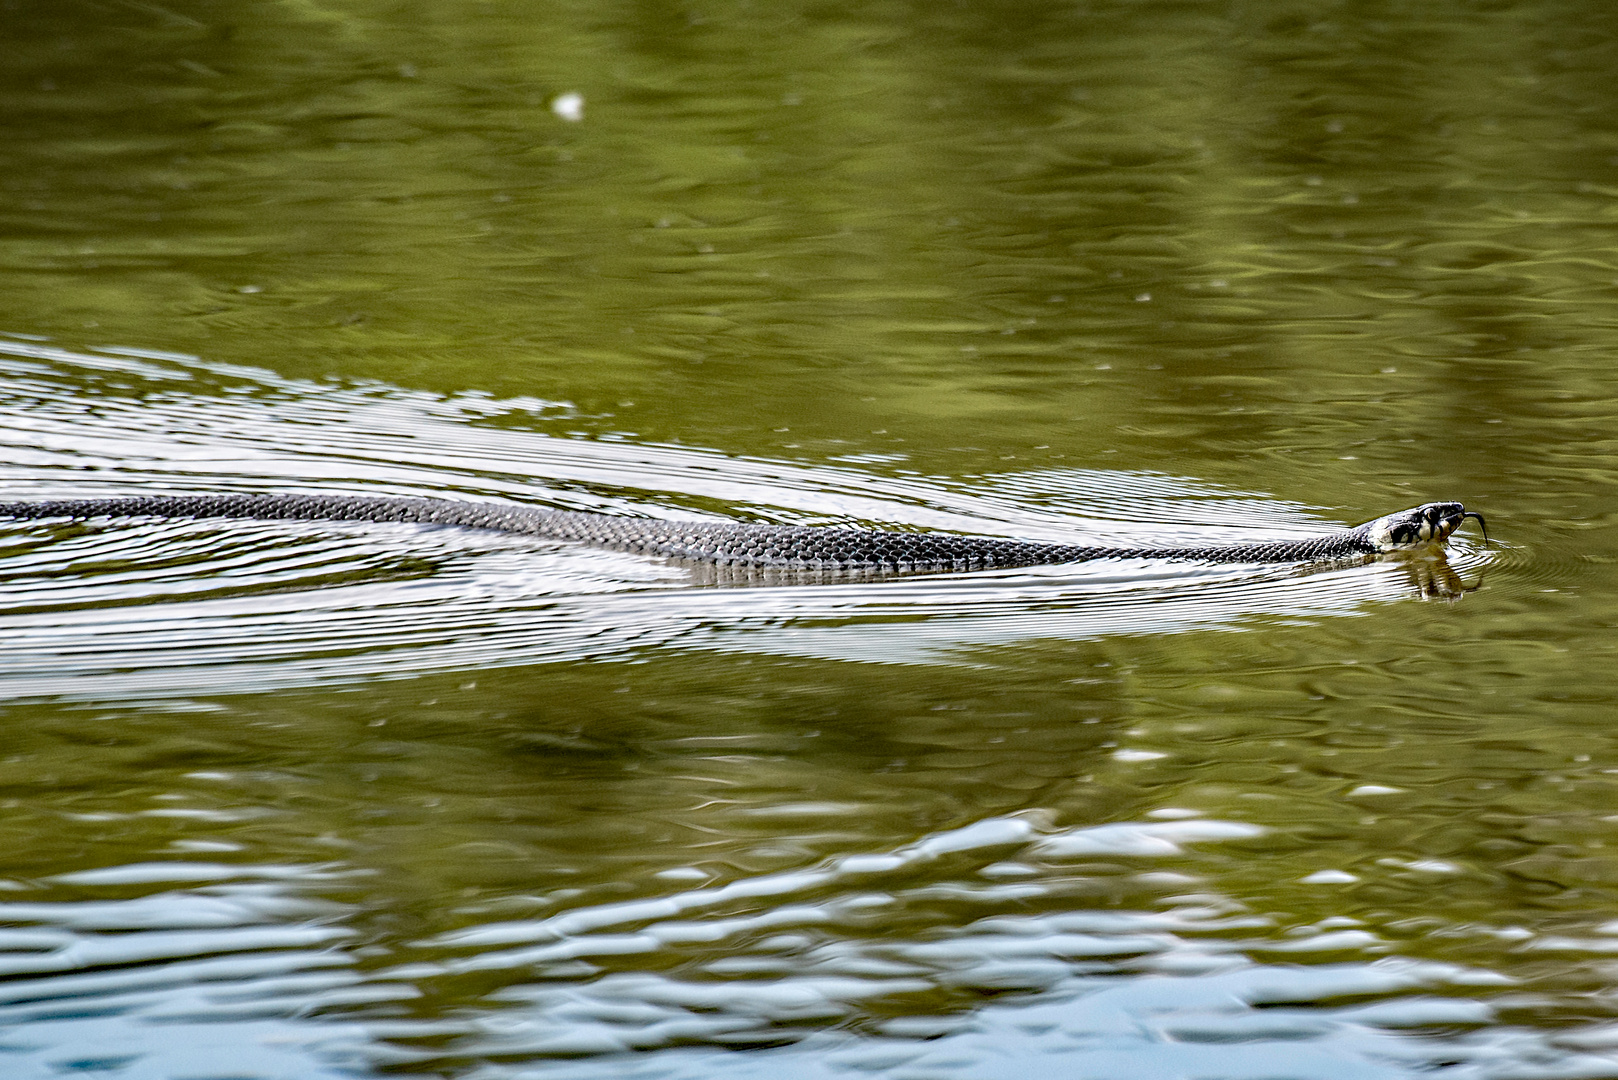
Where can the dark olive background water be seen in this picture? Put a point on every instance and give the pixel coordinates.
(287, 800)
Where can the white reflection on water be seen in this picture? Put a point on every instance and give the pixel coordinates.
(244, 964)
(106, 985)
(154, 609)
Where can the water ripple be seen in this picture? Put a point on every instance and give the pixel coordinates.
(185, 607)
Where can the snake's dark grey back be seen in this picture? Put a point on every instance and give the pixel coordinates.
(726, 544)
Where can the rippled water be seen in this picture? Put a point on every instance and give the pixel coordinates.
(435, 799)
(265, 605)
(294, 800)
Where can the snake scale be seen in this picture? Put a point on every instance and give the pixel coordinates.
(781, 546)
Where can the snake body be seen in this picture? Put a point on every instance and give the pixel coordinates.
(731, 544)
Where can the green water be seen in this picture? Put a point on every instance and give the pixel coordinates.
(294, 800)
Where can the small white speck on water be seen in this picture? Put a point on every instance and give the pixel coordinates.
(569, 106)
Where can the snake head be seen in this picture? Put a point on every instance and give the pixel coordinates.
(1430, 523)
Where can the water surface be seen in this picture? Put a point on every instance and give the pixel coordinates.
(308, 800)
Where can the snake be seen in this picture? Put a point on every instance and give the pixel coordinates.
(823, 548)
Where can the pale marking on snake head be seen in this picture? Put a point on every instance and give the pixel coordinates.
(1429, 523)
